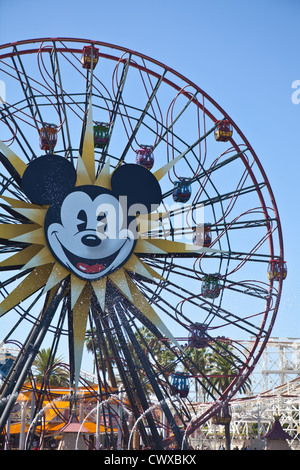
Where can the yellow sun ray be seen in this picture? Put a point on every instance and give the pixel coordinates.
(153, 216)
(161, 172)
(99, 288)
(21, 204)
(31, 284)
(160, 245)
(88, 150)
(143, 246)
(51, 295)
(142, 304)
(14, 160)
(135, 265)
(82, 173)
(80, 315)
(57, 274)
(119, 279)
(44, 256)
(10, 231)
(37, 237)
(22, 257)
(36, 215)
(77, 286)
(148, 222)
(144, 225)
(104, 177)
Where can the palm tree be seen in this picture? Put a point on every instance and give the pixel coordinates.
(104, 356)
(50, 369)
(157, 352)
(223, 369)
(201, 363)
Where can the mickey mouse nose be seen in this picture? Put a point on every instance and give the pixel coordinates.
(91, 240)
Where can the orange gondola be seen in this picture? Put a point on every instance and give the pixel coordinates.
(86, 59)
(48, 136)
(223, 131)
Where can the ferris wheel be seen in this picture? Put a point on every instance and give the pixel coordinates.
(132, 207)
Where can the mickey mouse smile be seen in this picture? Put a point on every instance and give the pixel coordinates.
(90, 266)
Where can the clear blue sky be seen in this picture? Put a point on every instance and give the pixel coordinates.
(246, 55)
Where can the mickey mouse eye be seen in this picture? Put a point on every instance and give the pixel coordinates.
(83, 218)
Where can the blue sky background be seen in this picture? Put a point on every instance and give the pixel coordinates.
(246, 55)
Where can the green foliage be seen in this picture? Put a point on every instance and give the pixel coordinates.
(223, 368)
(50, 369)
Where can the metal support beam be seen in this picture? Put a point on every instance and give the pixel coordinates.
(132, 371)
(26, 358)
(121, 368)
(144, 112)
(60, 97)
(116, 105)
(150, 375)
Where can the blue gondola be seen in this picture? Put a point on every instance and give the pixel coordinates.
(180, 384)
(182, 190)
(6, 365)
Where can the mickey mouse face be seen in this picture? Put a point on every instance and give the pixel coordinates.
(87, 228)
(85, 233)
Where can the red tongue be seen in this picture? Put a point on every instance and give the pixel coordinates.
(86, 268)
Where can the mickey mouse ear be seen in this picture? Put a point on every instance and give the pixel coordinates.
(138, 184)
(48, 179)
